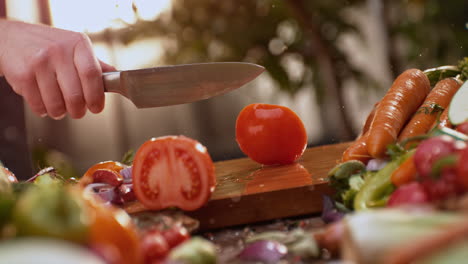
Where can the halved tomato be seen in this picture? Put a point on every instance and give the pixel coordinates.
(173, 171)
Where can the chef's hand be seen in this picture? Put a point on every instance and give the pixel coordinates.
(54, 70)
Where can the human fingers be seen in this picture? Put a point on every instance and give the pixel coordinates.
(106, 67)
(90, 74)
(48, 86)
(72, 91)
(28, 89)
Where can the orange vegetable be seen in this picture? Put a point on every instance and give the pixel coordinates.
(105, 165)
(369, 119)
(405, 173)
(403, 98)
(112, 231)
(443, 120)
(358, 150)
(437, 101)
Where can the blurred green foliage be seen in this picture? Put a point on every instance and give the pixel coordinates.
(428, 33)
(43, 157)
(298, 41)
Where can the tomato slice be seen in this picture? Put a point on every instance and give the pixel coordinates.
(270, 134)
(105, 165)
(173, 171)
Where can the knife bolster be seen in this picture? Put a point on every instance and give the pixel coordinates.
(112, 82)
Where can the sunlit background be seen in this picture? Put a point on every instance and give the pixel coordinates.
(329, 61)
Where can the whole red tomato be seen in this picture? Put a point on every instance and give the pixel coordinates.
(175, 235)
(154, 246)
(270, 134)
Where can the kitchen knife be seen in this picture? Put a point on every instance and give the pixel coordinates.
(179, 84)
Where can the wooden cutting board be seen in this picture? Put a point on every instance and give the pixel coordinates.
(247, 192)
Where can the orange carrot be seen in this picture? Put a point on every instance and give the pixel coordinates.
(436, 101)
(403, 98)
(369, 119)
(405, 173)
(444, 120)
(357, 151)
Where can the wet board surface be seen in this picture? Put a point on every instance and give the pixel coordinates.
(247, 192)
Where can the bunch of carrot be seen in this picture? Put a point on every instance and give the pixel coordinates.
(409, 109)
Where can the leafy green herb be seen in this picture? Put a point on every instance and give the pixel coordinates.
(436, 74)
(127, 158)
(463, 66)
(395, 150)
(347, 178)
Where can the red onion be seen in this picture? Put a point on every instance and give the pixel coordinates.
(125, 191)
(329, 212)
(126, 174)
(376, 164)
(103, 190)
(94, 187)
(268, 251)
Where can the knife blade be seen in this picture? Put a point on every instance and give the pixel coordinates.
(179, 84)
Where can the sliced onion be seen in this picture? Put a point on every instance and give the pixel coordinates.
(376, 164)
(329, 212)
(103, 190)
(264, 251)
(94, 187)
(127, 174)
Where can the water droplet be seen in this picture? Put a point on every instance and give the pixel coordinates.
(261, 185)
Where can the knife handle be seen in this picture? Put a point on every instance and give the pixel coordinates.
(112, 82)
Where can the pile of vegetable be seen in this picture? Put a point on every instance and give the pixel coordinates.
(402, 186)
(117, 212)
(87, 216)
(410, 150)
